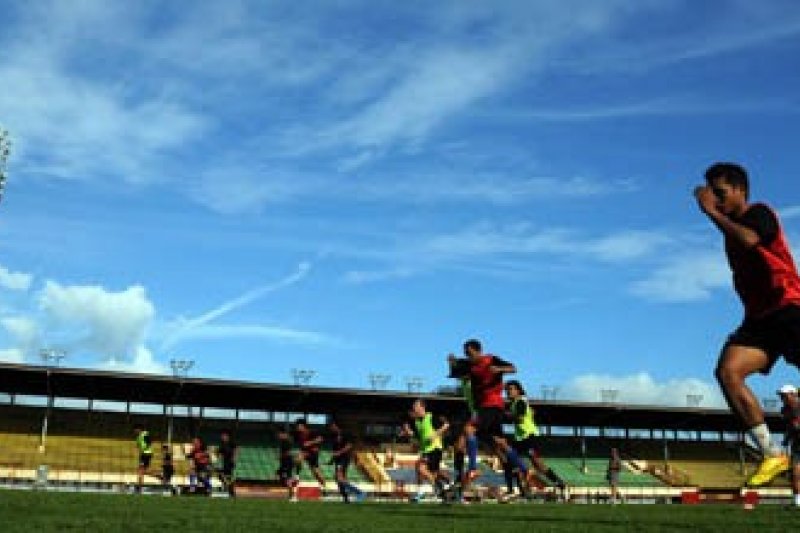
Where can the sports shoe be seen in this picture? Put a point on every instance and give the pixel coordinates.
(769, 469)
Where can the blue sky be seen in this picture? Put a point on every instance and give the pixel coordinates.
(357, 187)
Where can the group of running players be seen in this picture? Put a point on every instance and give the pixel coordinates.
(765, 278)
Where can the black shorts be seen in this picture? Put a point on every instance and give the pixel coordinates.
(144, 460)
(166, 473)
(490, 424)
(227, 469)
(777, 334)
(285, 470)
(526, 447)
(311, 459)
(433, 460)
(342, 464)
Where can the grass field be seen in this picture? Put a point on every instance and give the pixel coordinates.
(38, 512)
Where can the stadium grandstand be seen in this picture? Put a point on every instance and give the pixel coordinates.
(73, 429)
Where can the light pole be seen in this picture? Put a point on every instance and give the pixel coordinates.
(414, 384)
(379, 381)
(549, 392)
(694, 400)
(180, 371)
(302, 376)
(609, 395)
(51, 357)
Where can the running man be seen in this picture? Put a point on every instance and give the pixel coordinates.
(612, 475)
(466, 438)
(144, 446)
(428, 433)
(289, 466)
(486, 378)
(767, 282)
(309, 445)
(167, 469)
(229, 452)
(341, 455)
(791, 415)
(525, 432)
(201, 464)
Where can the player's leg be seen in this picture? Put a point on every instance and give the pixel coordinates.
(541, 467)
(736, 363)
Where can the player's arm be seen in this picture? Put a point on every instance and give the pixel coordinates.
(443, 427)
(518, 412)
(501, 366)
(744, 234)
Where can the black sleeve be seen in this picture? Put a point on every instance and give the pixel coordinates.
(519, 410)
(148, 440)
(438, 422)
(496, 361)
(763, 221)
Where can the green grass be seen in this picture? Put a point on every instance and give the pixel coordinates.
(40, 512)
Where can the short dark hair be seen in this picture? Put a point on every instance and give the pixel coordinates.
(300, 421)
(733, 173)
(516, 384)
(475, 344)
(421, 402)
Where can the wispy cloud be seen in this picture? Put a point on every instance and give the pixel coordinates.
(279, 334)
(685, 278)
(184, 328)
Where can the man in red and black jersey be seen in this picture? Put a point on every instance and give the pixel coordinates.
(767, 282)
(342, 450)
(309, 444)
(486, 379)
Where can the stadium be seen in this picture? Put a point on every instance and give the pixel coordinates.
(67, 433)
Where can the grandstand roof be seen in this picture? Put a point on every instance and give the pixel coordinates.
(380, 405)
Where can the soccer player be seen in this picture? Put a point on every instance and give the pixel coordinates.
(144, 445)
(791, 415)
(466, 437)
(229, 452)
(767, 282)
(486, 378)
(167, 468)
(428, 433)
(525, 432)
(612, 474)
(341, 455)
(309, 444)
(200, 466)
(289, 468)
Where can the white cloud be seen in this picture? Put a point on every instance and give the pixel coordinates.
(685, 278)
(113, 325)
(487, 239)
(790, 212)
(15, 281)
(642, 389)
(12, 355)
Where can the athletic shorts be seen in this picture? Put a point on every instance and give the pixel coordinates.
(777, 334)
(342, 464)
(311, 459)
(144, 460)
(227, 469)
(286, 468)
(490, 423)
(167, 472)
(526, 447)
(433, 460)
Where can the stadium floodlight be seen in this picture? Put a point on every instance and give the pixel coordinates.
(549, 392)
(379, 381)
(302, 376)
(609, 395)
(181, 367)
(414, 384)
(5, 151)
(52, 356)
(770, 404)
(694, 400)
